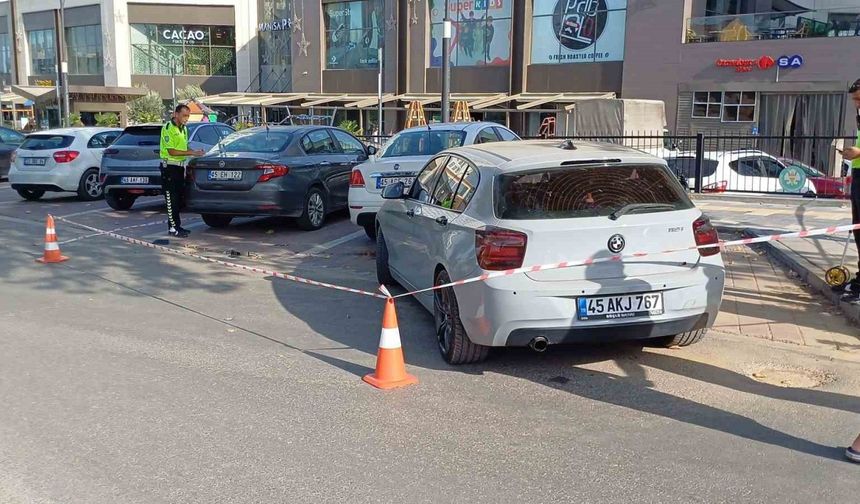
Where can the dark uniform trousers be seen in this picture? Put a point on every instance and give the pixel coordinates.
(173, 187)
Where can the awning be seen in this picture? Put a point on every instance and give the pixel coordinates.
(41, 94)
(36, 93)
(12, 99)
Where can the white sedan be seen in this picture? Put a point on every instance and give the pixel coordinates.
(406, 153)
(61, 160)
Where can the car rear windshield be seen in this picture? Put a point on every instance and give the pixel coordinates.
(47, 142)
(139, 137)
(686, 167)
(269, 142)
(423, 143)
(587, 191)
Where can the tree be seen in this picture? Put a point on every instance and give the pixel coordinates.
(190, 91)
(75, 119)
(351, 126)
(149, 108)
(107, 119)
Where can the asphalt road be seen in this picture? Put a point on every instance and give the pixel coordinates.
(129, 375)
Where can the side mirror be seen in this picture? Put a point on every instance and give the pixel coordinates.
(394, 191)
(372, 150)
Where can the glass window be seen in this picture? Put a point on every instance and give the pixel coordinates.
(584, 191)
(423, 142)
(98, 141)
(224, 130)
(466, 189)
(506, 135)
(686, 166)
(578, 31)
(190, 49)
(318, 142)
(46, 142)
(487, 135)
(43, 58)
(449, 179)
(207, 135)
(271, 141)
(481, 32)
(85, 50)
(770, 167)
(5, 53)
(423, 186)
(706, 105)
(739, 106)
(348, 143)
(140, 136)
(747, 167)
(353, 34)
(8, 136)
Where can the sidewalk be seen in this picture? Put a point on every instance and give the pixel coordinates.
(809, 258)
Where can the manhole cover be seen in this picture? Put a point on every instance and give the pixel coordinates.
(793, 378)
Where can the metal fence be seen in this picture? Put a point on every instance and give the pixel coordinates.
(807, 166)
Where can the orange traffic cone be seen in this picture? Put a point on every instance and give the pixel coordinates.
(390, 368)
(52, 249)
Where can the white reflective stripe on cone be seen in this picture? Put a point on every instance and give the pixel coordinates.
(390, 338)
(52, 246)
(50, 231)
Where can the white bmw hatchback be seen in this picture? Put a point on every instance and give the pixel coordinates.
(406, 153)
(61, 160)
(479, 209)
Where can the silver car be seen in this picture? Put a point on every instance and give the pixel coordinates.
(501, 206)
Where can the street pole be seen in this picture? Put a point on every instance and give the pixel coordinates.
(59, 97)
(173, 80)
(379, 92)
(446, 65)
(64, 65)
(3, 90)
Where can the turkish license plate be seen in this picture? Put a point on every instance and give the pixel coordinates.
(134, 180)
(387, 181)
(225, 175)
(35, 161)
(620, 307)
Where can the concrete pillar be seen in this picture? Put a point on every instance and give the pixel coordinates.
(116, 43)
(247, 59)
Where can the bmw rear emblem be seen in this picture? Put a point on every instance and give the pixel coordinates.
(221, 164)
(616, 243)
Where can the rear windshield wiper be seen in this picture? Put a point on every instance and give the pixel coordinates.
(635, 207)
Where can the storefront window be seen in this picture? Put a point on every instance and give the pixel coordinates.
(43, 59)
(578, 31)
(274, 38)
(191, 49)
(85, 50)
(729, 106)
(481, 32)
(5, 53)
(353, 34)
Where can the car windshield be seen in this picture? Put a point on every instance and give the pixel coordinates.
(423, 143)
(138, 137)
(588, 191)
(47, 142)
(256, 141)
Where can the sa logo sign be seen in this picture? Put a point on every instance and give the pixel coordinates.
(795, 61)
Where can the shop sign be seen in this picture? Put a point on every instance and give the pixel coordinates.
(742, 65)
(578, 31)
(44, 83)
(183, 35)
(795, 61)
(276, 25)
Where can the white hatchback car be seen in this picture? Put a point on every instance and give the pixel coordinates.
(61, 160)
(497, 207)
(745, 170)
(406, 153)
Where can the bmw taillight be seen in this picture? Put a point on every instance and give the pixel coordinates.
(271, 171)
(500, 249)
(356, 179)
(66, 156)
(706, 234)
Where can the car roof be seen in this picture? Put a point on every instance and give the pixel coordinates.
(451, 126)
(77, 129)
(530, 153)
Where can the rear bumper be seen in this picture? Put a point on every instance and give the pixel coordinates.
(510, 311)
(45, 180)
(363, 206)
(113, 182)
(261, 200)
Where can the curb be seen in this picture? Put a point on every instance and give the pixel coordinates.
(808, 275)
(770, 199)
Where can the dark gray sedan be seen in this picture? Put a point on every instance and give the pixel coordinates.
(9, 141)
(289, 171)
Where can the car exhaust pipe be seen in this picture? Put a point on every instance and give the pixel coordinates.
(538, 344)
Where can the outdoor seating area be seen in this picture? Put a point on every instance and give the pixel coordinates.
(772, 26)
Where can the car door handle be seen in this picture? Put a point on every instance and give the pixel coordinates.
(442, 221)
(410, 212)
(325, 163)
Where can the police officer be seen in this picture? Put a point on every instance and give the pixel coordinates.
(853, 154)
(174, 151)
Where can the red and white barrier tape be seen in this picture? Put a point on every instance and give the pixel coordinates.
(486, 276)
(100, 233)
(278, 274)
